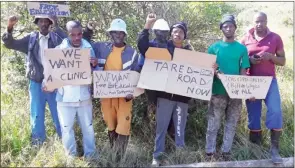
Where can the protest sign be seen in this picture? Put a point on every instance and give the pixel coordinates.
(69, 66)
(111, 84)
(46, 9)
(245, 87)
(152, 76)
(189, 74)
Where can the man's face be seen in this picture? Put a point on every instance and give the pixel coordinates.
(43, 24)
(117, 36)
(228, 29)
(75, 36)
(161, 35)
(177, 35)
(260, 23)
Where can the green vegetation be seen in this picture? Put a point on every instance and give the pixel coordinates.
(203, 24)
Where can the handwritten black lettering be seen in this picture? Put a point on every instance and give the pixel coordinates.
(202, 82)
(49, 78)
(179, 77)
(68, 52)
(174, 67)
(78, 63)
(61, 63)
(189, 70)
(181, 68)
(73, 76)
(206, 72)
(77, 54)
(194, 80)
(246, 91)
(98, 85)
(198, 91)
(100, 93)
(165, 65)
(123, 86)
(186, 79)
(101, 76)
(235, 92)
(157, 64)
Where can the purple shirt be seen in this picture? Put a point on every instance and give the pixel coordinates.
(271, 44)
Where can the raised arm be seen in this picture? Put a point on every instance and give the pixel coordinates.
(61, 34)
(15, 44)
(143, 37)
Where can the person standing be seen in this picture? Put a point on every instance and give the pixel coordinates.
(75, 100)
(266, 51)
(33, 46)
(168, 106)
(232, 59)
(116, 56)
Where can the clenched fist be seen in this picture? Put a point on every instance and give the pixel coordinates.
(150, 20)
(12, 21)
(91, 25)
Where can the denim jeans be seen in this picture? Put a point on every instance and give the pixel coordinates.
(274, 117)
(38, 100)
(67, 116)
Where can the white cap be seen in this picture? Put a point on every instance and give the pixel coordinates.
(118, 25)
(161, 24)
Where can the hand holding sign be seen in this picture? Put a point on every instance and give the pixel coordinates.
(68, 66)
(185, 75)
(129, 97)
(93, 61)
(246, 87)
(112, 84)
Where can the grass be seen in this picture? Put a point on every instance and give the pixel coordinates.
(16, 149)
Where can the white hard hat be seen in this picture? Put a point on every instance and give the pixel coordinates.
(118, 25)
(161, 24)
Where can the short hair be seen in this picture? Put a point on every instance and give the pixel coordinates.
(261, 14)
(73, 24)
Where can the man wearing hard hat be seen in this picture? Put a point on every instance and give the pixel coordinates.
(116, 56)
(33, 45)
(168, 105)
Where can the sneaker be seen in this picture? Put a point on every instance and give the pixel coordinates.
(155, 163)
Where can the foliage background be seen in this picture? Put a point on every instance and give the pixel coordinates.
(203, 24)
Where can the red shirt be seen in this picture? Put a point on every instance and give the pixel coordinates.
(271, 43)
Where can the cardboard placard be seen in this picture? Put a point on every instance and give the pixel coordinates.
(112, 84)
(188, 74)
(245, 87)
(46, 9)
(69, 66)
(158, 54)
(154, 75)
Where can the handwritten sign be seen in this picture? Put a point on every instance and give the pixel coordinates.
(153, 77)
(110, 84)
(245, 87)
(46, 9)
(189, 74)
(195, 82)
(69, 66)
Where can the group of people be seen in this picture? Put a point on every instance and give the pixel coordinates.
(256, 55)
